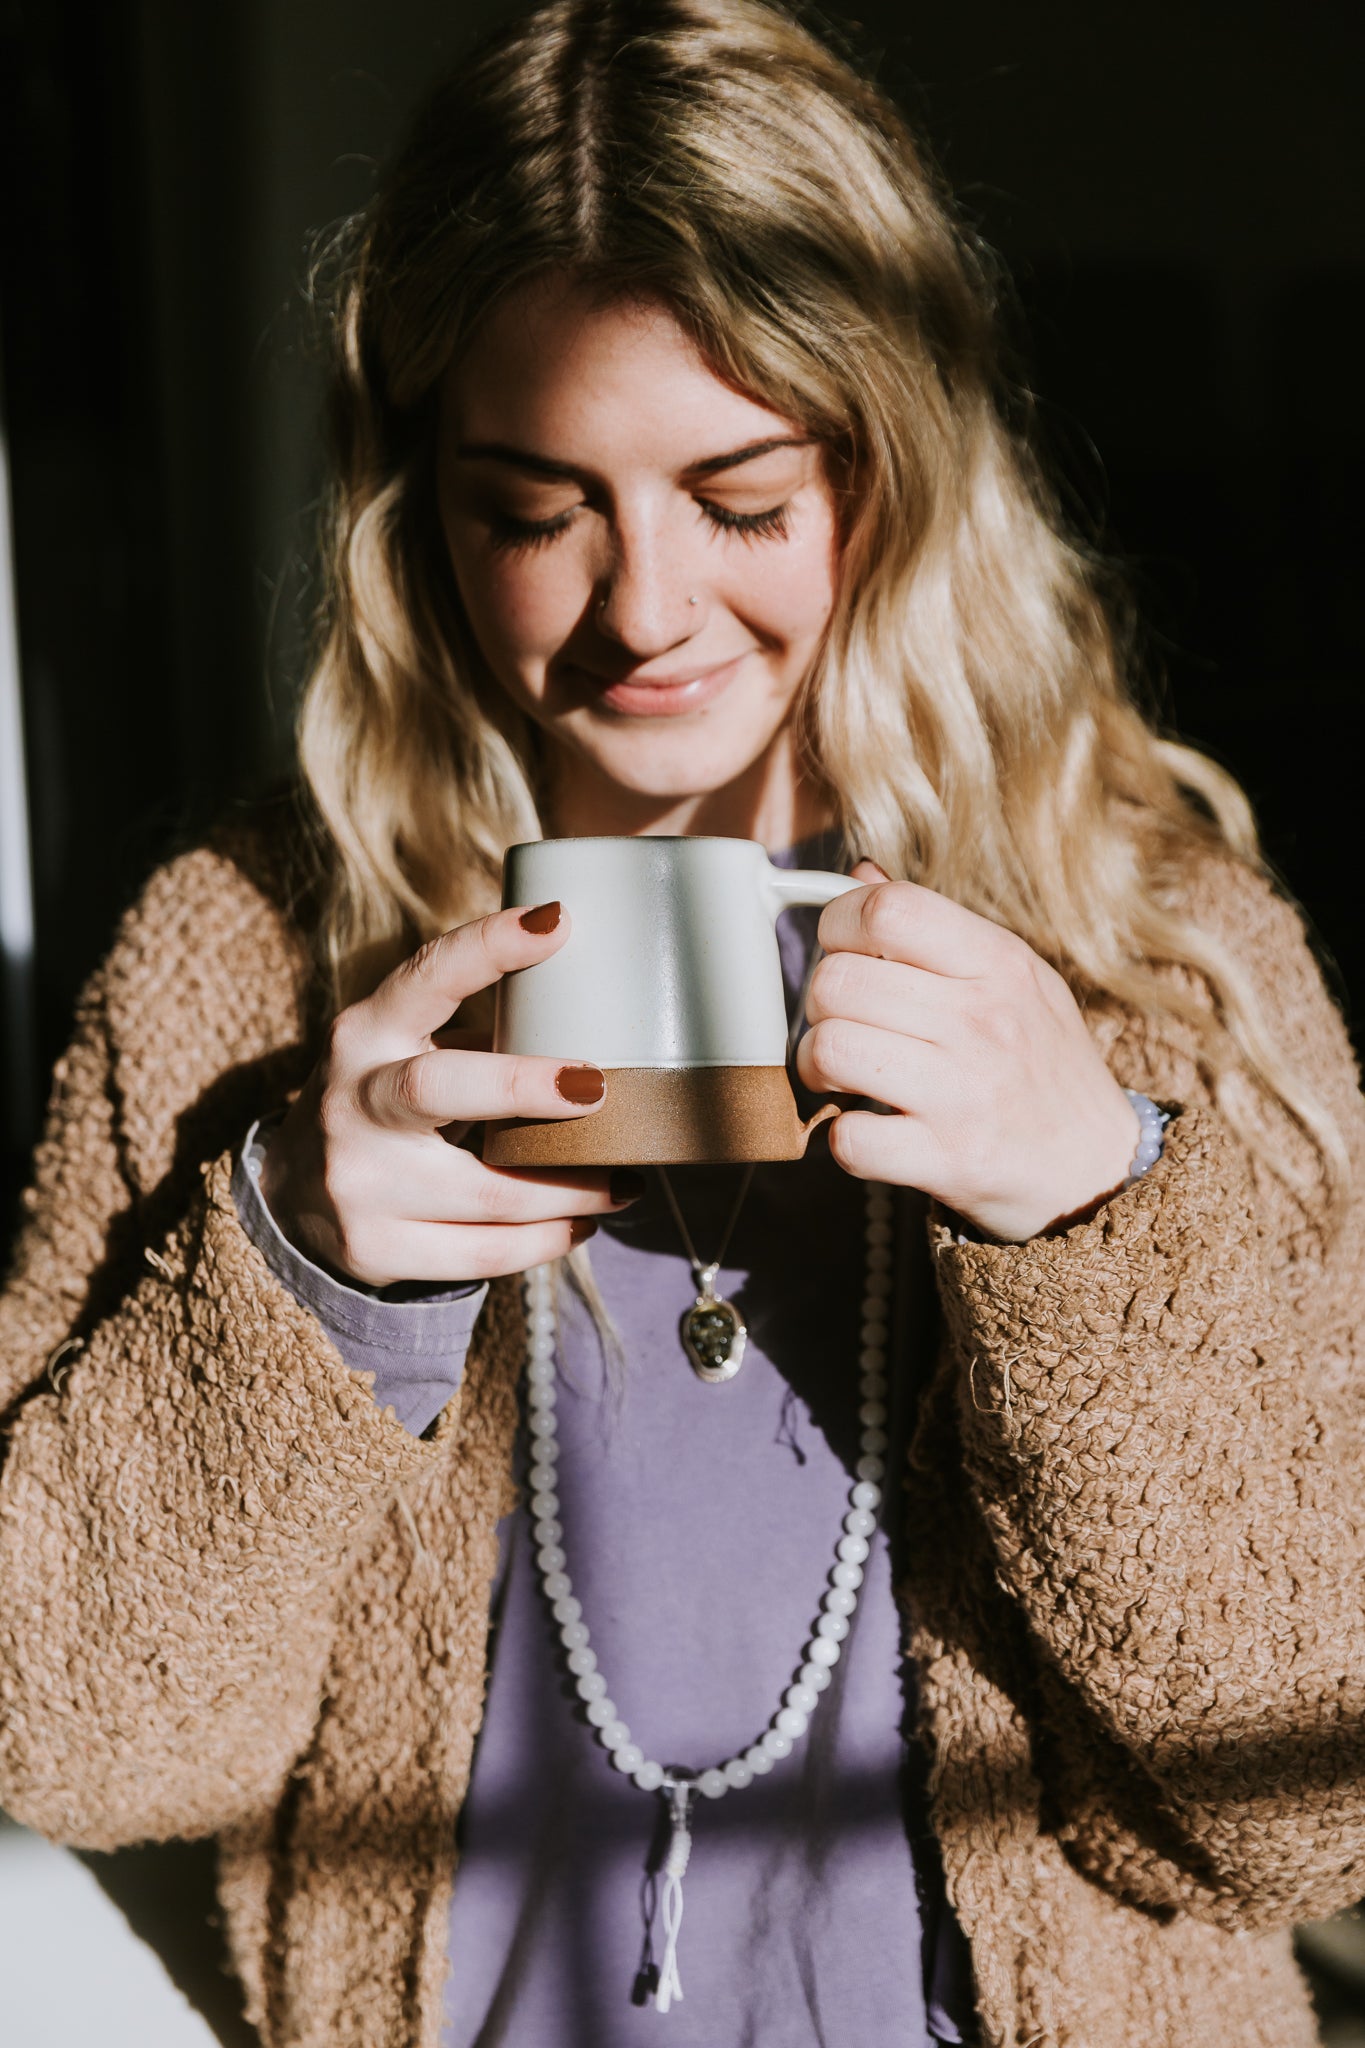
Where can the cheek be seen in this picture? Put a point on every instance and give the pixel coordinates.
(789, 596)
(521, 608)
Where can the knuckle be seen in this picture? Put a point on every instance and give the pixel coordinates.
(836, 979)
(420, 964)
(341, 1186)
(357, 1246)
(335, 1108)
(1014, 960)
(491, 1198)
(829, 1046)
(343, 1036)
(882, 917)
(412, 1090)
(1054, 989)
(1001, 1027)
(494, 938)
(494, 1252)
(522, 1086)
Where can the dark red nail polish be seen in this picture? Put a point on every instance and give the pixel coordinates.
(542, 919)
(626, 1185)
(581, 1084)
(581, 1228)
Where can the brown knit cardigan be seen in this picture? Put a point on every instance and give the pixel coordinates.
(238, 1599)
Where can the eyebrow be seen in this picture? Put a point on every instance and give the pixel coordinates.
(543, 465)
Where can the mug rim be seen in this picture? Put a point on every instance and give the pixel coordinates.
(637, 839)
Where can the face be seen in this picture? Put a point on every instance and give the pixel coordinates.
(647, 559)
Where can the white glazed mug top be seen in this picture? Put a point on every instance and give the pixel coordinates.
(671, 958)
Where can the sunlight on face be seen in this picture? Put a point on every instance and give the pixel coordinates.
(647, 559)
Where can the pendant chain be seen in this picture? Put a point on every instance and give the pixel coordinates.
(700, 1266)
(680, 1787)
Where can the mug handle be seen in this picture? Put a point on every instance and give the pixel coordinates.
(788, 888)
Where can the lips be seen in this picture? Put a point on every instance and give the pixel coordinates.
(666, 696)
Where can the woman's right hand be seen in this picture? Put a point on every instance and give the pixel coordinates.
(366, 1175)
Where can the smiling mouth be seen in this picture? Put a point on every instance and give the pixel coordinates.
(663, 697)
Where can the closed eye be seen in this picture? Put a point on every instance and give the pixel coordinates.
(518, 536)
(771, 525)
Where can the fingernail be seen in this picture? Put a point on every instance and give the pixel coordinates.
(580, 1084)
(626, 1185)
(542, 919)
(866, 860)
(580, 1228)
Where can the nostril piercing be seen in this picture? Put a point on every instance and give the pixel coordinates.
(691, 600)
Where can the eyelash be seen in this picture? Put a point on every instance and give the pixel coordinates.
(520, 536)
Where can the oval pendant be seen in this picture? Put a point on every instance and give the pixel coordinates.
(714, 1335)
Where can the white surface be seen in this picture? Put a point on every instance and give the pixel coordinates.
(16, 898)
(16, 879)
(71, 1973)
(671, 958)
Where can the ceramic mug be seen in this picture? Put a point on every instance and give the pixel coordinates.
(670, 981)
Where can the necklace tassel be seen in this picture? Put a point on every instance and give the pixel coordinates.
(669, 1988)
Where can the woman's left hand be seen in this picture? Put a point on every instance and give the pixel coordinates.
(1006, 1112)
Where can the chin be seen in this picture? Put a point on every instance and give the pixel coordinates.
(680, 769)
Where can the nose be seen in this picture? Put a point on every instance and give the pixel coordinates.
(646, 602)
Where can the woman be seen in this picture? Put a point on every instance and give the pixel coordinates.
(674, 495)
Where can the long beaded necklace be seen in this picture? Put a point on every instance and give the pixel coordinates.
(679, 1788)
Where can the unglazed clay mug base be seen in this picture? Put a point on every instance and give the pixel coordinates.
(670, 981)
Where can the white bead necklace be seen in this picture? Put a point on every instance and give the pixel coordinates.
(678, 1787)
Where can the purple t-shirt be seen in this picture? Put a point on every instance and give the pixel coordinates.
(700, 1524)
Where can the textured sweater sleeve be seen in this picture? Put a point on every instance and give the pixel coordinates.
(414, 1346)
(186, 1457)
(1161, 1428)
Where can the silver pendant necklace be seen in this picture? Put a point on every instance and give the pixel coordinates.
(713, 1331)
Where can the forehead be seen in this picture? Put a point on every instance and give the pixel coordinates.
(556, 370)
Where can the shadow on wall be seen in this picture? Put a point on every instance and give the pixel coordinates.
(123, 1950)
(166, 1891)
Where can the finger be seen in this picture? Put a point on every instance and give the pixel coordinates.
(897, 1149)
(419, 996)
(886, 993)
(902, 921)
(846, 1058)
(451, 1254)
(440, 1185)
(432, 1089)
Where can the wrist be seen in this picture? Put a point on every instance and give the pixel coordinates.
(1134, 1145)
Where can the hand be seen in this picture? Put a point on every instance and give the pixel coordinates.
(1006, 1112)
(366, 1173)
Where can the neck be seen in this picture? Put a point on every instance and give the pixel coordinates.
(771, 801)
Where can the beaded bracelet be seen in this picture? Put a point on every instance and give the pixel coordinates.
(1151, 1137)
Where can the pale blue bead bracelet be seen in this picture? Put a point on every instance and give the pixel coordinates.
(1151, 1137)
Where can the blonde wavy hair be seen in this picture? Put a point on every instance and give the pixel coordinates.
(968, 718)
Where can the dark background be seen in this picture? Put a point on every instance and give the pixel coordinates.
(1177, 189)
